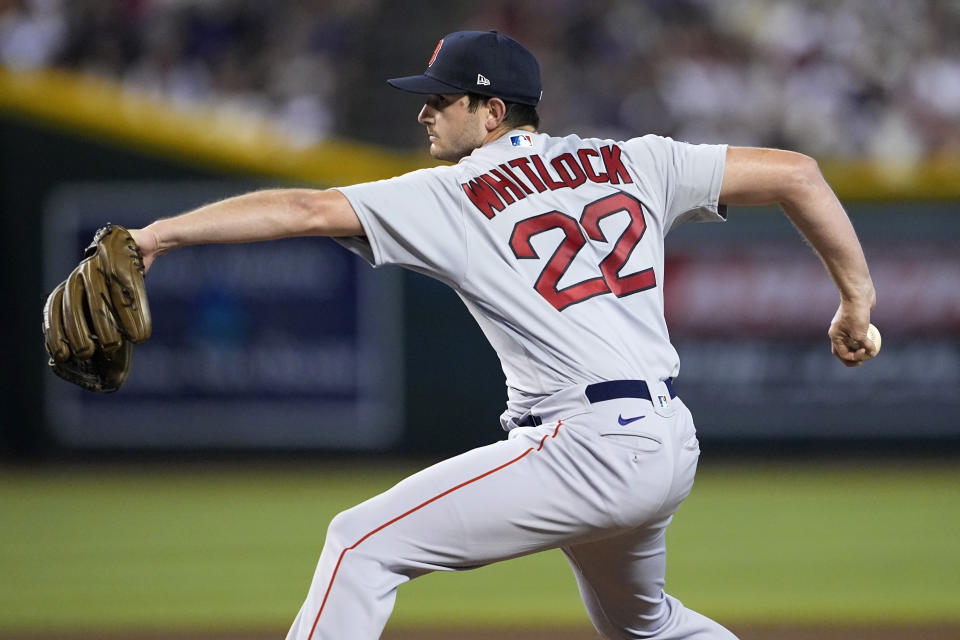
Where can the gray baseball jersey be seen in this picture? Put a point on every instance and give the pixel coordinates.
(555, 246)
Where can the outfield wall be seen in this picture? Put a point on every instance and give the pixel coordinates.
(747, 301)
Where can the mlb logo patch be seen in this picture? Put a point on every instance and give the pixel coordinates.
(663, 400)
(521, 141)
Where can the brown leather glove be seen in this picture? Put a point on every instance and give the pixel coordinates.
(93, 318)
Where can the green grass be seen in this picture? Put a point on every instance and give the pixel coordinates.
(165, 548)
(808, 544)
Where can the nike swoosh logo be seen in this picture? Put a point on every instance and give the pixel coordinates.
(624, 422)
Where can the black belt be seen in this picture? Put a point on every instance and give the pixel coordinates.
(609, 390)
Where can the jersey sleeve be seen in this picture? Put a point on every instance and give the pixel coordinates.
(414, 221)
(686, 176)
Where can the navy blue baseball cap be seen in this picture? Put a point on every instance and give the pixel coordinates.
(484, 62)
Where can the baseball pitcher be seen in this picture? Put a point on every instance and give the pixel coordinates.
(556, 246)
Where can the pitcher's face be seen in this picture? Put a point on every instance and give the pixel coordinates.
(454, 130)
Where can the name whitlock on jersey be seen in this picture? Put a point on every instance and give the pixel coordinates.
(555, 245)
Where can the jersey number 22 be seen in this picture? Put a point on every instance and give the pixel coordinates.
(609, 281)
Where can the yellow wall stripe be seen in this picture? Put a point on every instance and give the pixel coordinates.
(228, 141)
(241, 143)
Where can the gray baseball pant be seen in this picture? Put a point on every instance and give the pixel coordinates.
(581, 481)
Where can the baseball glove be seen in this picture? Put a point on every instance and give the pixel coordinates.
(93, 318)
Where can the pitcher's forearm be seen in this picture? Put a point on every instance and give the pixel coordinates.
(260, 215)
(817, 213)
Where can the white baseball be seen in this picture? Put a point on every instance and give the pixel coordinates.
(874, 335)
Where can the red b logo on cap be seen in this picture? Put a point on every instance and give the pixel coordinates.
(435, 52)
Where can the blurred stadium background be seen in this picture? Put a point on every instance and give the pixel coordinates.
(270, 363)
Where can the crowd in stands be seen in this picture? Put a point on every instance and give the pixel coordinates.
(833, 78)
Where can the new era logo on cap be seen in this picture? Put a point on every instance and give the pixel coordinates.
(482, 81)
